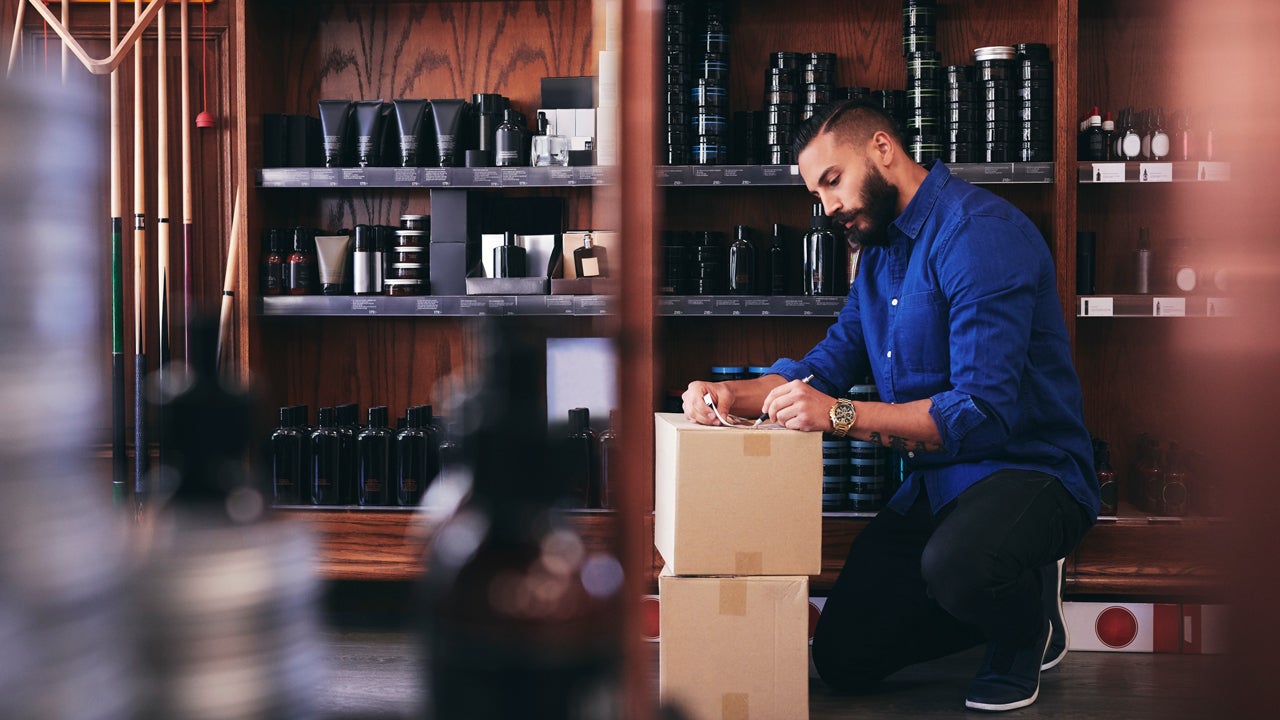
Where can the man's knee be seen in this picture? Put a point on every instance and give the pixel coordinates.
(960, 581)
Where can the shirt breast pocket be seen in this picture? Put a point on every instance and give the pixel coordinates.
(922, 335)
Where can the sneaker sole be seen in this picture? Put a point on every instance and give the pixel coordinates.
(992, 707)
(1051, 663)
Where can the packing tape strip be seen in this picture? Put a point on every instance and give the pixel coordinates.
(734, 706)
(756, 444)
(733, 597)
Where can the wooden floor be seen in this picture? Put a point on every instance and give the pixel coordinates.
(375, 674)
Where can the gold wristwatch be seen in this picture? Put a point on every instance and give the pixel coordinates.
(843, 416)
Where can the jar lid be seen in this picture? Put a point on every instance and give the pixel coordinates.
(413, 217)
(411, 233)
(408, 266)
(727, 369)
(403, 282)
(409, 249)
(995, 52)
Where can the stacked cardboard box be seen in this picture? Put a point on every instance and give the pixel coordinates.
(738, 521)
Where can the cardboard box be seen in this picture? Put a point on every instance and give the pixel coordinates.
(734, 648)
(737, 501)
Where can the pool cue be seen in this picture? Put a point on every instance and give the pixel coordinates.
(162, 212)
(17, 38)
(141, 453)
(119, 455)
(228, 283)
(188, 220)
(66, 22)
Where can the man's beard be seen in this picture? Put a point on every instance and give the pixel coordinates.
(879, 207)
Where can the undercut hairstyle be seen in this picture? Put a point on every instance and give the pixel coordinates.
(853, 121)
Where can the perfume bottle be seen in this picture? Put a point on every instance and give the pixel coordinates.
(588, 260)
(742, 263)
(509, 141)
(819, 255)
(508, 258)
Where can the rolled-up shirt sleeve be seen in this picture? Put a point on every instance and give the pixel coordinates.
(984, 271)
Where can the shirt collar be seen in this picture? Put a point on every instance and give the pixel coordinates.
(921, 205)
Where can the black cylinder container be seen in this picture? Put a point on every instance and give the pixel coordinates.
(375, 465)
(326, 460)
(580, 461)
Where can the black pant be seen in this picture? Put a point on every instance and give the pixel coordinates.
(922, 586)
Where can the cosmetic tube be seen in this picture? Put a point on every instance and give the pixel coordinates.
(368, 121)
(334, 116)
(447, 115)
(409, 115)
(333, 251)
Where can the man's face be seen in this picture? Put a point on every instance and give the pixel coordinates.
(853, 191)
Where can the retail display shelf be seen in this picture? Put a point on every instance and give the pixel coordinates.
(435, 305)
(748, 306)
(1134, 306)
(769, 175)
(434, 177)
(1102, 173)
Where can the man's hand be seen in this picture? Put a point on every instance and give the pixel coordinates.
(798, 406)
(697, 410)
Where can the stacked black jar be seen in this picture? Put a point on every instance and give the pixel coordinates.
(924, 71)
(959, 115)
(894, 103)
(781, 97)
(676, 91)
(853, 93)
(1033, 107)
(710, 92)
(995, 75)
(817, 78)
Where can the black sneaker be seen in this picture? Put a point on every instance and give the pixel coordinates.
(1051, 575)
(1009, 677)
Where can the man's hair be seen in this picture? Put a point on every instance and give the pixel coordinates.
(854, 121)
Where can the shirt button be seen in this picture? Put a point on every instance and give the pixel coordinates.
(894, 302)
(889, 354)
(911, 454)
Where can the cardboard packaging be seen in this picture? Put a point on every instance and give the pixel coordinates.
(734, 648)
(737, 501)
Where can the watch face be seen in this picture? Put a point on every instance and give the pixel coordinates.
(844, 412)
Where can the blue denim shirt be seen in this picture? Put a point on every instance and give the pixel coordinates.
(962, 307)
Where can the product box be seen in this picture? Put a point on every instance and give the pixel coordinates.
(607, 136)
(734, 648)
(737, 501)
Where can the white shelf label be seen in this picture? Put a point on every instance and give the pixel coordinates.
(795, 169)
(1218, 307)
(1169, 307)
(1155, 172)
(1108, 172)
(1213, 171)
(1097, 307)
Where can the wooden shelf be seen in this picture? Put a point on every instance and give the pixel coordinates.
(1170, 305)
(434, 178)
(1100, 173)
(434, 305)
(749, 306)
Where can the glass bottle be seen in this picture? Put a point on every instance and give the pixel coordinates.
(509, 258)
(819, 255)
(579, 459)
(326, 459)
(411, 460)
(1108, 137)
(1174, 488)
(778, 284)
(742, 263)
(301, 421)
(367, 261)
(1130, 141)
(1159, 138)
(608, 458)
(1185, 143)
(272, 271)
(1142, 263)
(588, 260)
(509, 141)
(1094, 139)
(376, 464)
(286, 453)
(347, 416)
(1108, 483)
(301, 274)
(521, 618)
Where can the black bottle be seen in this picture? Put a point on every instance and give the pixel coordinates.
(450, 451)
(778, 264)
(1174, 487)
(301, 421)
(376, 461)
(579, 460)
(1160, 145)
(742, 263)
(499, 655)
(819, 255)
(301, 272)
(286, 462)
(509, 141)
(609, 462)
(1108, 483)
(326, 459)
(433, 434)
(509, 258)
(411, 460)
(272, 270)
(347, 417)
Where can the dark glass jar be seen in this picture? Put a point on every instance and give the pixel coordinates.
(301, 273)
